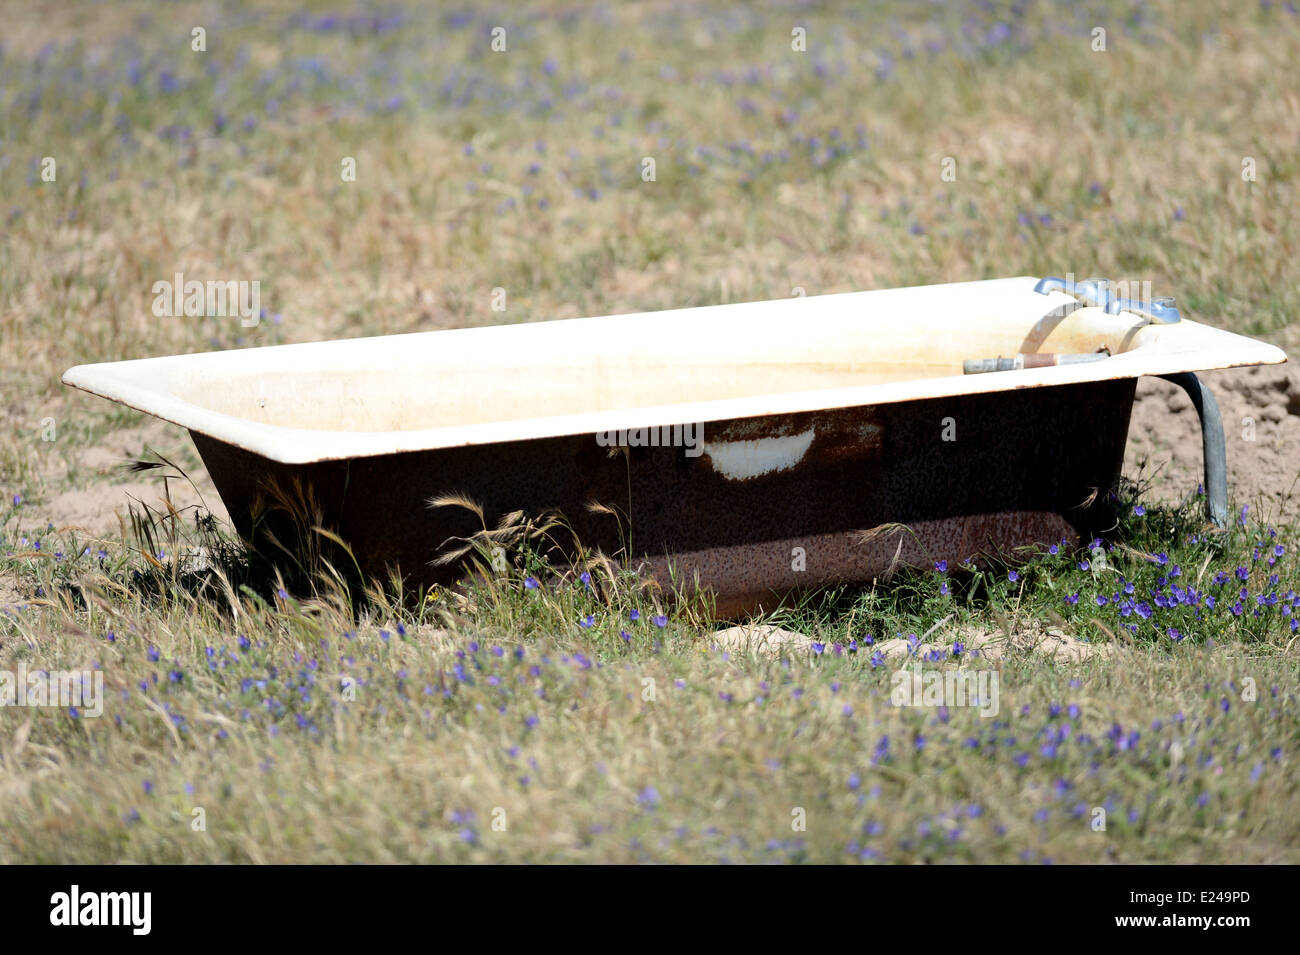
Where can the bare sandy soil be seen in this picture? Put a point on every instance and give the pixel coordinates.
(105, 487)
(1261, 422)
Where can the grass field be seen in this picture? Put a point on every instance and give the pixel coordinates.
(816, 148)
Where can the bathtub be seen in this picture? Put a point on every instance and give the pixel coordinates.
(817, 440)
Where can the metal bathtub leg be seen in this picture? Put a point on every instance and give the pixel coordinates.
(1213, 448)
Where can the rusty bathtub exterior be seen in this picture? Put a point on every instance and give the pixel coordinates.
(967, 475)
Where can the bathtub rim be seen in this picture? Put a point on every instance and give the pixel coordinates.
(143, 384)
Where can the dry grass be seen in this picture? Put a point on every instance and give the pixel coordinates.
(1125, 163)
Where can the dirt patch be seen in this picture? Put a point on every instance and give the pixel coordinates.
(761, 640)
(11, 595)
(991, 645)
(995, 646)
(105, 487)
(1261, 422)
(94, 510)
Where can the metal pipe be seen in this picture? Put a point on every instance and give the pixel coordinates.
(1213, 447)
(979, 366)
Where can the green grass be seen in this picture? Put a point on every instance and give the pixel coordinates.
(313, 725)
(596, 726)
